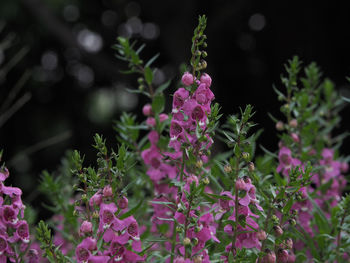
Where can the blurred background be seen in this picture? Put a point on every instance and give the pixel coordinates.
(73, 86)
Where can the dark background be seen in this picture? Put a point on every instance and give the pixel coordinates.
(76, 89)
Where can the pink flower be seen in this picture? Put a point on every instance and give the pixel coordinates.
(295, 137)
(22, 231)
(179, 98)
(106, 216)
(282, 256)
(96, 199)
(187, 79)
(107, 191)
(286, 161)
(206, 79)
(84, 249)
(9, 214)
(86, 228)
(3, 244)
(4, 174)
(123, 202)
(147, 110)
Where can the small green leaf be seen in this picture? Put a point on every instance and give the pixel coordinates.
(131, 211)
(149, 62)
(148, 75)
(158, 103)
(164, 86)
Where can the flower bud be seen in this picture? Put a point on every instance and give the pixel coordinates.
(206, 79)
(197, 229)
(282, 256)
(293, 123)
(279, 126)
(292, 222)
(147, 110)
(228, 168)
(344, 167)
(95, 215)
(251, 167)
(295, 137)
(278, 230)
(178, 229)
(86, 228)
(291, 257)
(245, 156)
(187, 79)
(107, 191)
(186, 241)
(270, 257)
(198, 259)
(123, 202)
(261, 235)
(195, 241)
(199, 164)
(206, 181)
(289, 243)
(240, 184)
(84, 198)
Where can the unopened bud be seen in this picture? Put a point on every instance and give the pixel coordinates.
(204, 54)
(141, 87)
(147, 110)
(279, 126)
(123, 202)
(199, 164)
(195, 241)
(240, 184)
(295, 137)
(292, 222)
(282, 256)
(95, 215)
(140, 80)
(197, 229)
(228, 168)
(204, 64)
(86, 228)
(270, 257)
(198, 259)
(198, 53)
(75, 213)
(245, 156)
(186, 241)
(84, 198)
(178, 229)
(206, 181)
(261, 235)
(293, 123)
(251, 167)
(107, 191)
(289, 243)
(278, 230)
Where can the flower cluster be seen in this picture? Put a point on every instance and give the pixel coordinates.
(190, 114)
(14, 229)
(120, 236)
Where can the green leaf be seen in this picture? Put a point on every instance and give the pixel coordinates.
(149, 62)
(288, 206)
(131, 211)
(158, 103)
(148, 75)
(164, 86)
